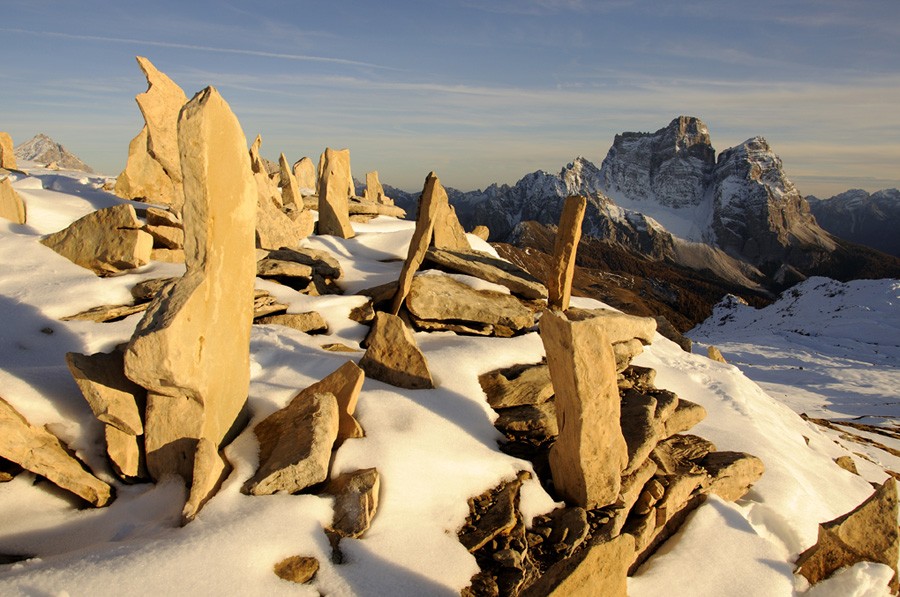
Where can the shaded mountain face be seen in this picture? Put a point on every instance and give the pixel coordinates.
(868, 219)
(44, 150)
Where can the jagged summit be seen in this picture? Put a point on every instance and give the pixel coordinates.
(669, 167)
(44, 150)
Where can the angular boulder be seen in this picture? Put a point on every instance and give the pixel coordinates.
(197, 370)
(868, 533)
(114, 399)
(590, 452)
(107, 241)
(42, 453)
(144, 178)
(295, 445)
(392, 355)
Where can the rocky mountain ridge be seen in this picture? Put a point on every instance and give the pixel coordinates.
(869, 219)
(44, 150)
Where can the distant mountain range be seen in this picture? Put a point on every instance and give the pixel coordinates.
(44, 150)
(868, 219)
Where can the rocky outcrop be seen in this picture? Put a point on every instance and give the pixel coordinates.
(197, 371)
(107, 241)
(44, 150)
(860, 217)
(12, 207)
(153, 170)
(7, 152)
(866, 534)
(334, 195)
(42, 453)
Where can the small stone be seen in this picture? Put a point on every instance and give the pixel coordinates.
(298, 569)
(715, 354)
(846, 463)
(356, 501)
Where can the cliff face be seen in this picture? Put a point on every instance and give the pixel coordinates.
(670, 167)
(868, 219)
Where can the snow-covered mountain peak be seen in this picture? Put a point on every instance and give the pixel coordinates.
(44, 150)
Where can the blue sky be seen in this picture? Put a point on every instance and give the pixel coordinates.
(477, 91)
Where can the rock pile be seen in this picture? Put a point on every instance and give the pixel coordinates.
(605, 440)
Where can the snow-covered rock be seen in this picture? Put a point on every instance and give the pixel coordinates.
(860, 217)
(44, 150)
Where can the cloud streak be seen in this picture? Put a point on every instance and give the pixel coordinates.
(200, 48)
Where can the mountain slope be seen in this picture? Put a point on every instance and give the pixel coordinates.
(44, 150)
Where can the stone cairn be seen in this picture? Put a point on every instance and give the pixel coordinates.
(600, 435)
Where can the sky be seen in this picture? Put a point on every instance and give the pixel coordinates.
(476, 91)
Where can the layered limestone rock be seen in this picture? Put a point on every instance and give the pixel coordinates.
(41, 452)
(590, 453)
(7, 152)
(156, 143)
(12, 207)
(568, 235)
(107, 241)
(334, 194)
(196, 370)
(356, 501)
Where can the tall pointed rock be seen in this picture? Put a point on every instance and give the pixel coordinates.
(192, 348)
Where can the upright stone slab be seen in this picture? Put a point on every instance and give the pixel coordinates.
(305, 172)
(7, 152)
(345, 384)
(567, 236)
(432, 196)
(334, 195)
(590, 453)
(448, 232)
(12, 207)
(144, 178)
(192, 348)
(290, 191)
(374, 191)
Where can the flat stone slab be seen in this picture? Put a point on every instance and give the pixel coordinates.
(107, 313)
(322, 262)
(489, 268)
(309, 323)
(42, 453)
(114, 399)
(442, 298)
(518, 385)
